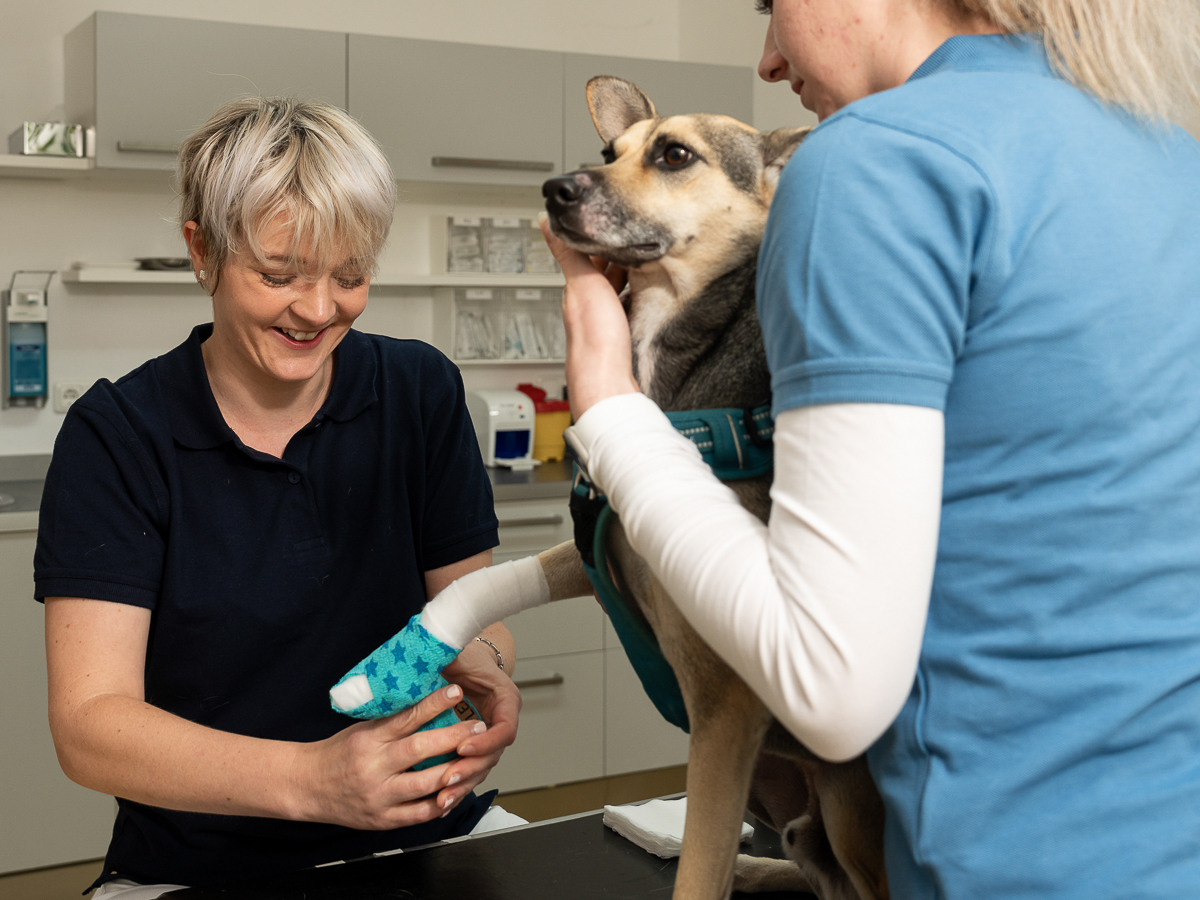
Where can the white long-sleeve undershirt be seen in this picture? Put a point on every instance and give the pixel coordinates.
(821, 613)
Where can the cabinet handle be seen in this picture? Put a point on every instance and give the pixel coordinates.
(519, 165)
(146, 147)
(548, 681)
(532, 520)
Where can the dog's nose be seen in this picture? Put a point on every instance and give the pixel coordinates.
(561, 192)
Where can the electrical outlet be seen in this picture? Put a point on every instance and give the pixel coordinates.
(66, 393)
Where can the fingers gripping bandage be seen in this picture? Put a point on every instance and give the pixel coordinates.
(406, 668)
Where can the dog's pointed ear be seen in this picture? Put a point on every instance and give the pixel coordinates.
(616, 104)
(777, 148)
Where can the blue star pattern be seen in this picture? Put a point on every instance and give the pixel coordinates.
(402, 671)
(397, 684)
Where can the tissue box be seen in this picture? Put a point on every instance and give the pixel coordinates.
(48, 139)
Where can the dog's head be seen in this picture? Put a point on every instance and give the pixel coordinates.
(693, 188)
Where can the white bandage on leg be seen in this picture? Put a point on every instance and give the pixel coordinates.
(483, 597)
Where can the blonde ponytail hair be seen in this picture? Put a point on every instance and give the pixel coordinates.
(1143, 55)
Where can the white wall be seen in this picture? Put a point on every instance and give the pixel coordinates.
(106, 331)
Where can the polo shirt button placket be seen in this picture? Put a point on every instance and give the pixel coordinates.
(294, 477)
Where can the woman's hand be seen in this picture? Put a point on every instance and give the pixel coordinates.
(599, 348)
(361, 778)
(498, 701)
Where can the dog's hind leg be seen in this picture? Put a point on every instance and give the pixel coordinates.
(727, 726)
(724, 745)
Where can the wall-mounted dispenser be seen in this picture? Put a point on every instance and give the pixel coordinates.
(25, 319)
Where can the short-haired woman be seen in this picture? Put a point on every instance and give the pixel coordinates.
(230, 527)
(980, 293)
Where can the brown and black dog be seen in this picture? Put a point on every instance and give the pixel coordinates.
(681, 202)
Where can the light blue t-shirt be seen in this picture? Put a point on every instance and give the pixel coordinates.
(989, 241)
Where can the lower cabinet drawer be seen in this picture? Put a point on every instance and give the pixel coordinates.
(636, 736)
(565, 626)
(561, 733)
(531, 526)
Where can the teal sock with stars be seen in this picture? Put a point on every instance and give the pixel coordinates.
(399, 673)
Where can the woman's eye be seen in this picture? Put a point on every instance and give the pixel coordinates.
(350, 284)
(276, 280)
(677, 155)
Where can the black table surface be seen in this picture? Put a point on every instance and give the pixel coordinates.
(577, 858)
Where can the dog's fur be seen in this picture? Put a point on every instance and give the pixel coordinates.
(682, 203)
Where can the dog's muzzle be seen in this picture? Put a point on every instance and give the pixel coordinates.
(563, 194)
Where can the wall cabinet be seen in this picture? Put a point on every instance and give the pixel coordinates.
(444, 112)
(459, 112)
(47, 819)
(673, 87)
(147, 82)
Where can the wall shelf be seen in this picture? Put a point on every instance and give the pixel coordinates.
(122, 274)
(509, 362)
(14, 165)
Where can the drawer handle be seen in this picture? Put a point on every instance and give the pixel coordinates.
(519, 165)
(548, 681)
(146, 147)
(532, 520)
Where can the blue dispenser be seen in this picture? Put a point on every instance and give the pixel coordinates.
(25, 319)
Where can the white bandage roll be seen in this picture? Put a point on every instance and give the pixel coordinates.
(480, 598)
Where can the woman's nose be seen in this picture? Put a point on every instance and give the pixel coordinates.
(316, 306)
(772, 67)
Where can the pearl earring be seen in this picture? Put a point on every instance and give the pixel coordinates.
(201, 276)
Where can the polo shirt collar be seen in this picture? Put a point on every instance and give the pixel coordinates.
(196, 420)
(986, 52)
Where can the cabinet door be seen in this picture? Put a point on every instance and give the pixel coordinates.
(45, 819)
(636, 736)
(567, 626)
(561, 735)
(459, 112)
(673, 87)
(531, 526)
(157, 79)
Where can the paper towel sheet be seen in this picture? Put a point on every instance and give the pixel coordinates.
(656, 826)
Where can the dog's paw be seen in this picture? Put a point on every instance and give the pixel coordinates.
(756, 874)
(399, 673)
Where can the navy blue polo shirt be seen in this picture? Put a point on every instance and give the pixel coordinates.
(267, 578)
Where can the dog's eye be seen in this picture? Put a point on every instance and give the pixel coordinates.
(608, 154)
(677, 155)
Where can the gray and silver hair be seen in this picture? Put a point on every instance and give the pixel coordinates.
(1143, 55)
(259, 160)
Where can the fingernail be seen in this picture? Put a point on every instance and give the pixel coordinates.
(453, 779)
(478, 727)
(453, 692)
(446, 803)
(466, 750)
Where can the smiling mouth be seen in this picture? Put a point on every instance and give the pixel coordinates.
(300, 337)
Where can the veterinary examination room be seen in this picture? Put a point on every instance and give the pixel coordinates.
(538, 449)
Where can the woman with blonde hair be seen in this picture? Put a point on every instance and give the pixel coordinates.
(229, 528)
(979, 293)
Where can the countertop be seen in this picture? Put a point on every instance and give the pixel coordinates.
(21, 478)
(576, 857)
(550, 479)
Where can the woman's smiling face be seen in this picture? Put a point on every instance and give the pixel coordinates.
(279, 322)
(834, 52)
(828, 50)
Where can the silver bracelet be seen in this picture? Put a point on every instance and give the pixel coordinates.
(495, 649)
